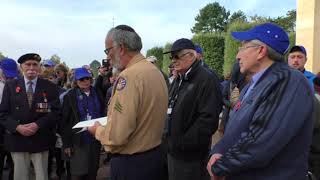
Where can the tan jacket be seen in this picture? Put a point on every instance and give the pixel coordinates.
(137, 110)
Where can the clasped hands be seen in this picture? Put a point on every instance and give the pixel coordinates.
(27, 129)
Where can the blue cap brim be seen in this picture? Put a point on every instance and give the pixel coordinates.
(242, 36)
(82, 76)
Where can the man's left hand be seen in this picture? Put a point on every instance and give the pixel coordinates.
(93, 128)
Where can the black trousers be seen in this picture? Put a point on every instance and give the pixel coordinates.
(187, 170)
(142, 166)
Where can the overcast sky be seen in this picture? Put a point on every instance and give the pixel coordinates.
(75, 29)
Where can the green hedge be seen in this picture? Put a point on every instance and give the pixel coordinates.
(166, 58)
(213, 50)
(158, 53)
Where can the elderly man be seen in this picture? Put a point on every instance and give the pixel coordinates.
(269, 130)
(29, 111)
(297, 59)
(137, 110)
(193, 115)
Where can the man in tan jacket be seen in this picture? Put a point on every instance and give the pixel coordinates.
(137, 110)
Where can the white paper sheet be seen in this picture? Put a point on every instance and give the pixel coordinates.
(84, 124)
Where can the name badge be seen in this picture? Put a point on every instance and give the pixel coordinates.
(169, 111)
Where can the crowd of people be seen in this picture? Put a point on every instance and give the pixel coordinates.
(161, 127)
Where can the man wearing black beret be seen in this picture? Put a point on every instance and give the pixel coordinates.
(29, 112)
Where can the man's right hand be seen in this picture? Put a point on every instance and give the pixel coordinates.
(212, 160)
(25, 130)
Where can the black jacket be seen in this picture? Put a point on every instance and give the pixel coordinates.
(195, 114)
(71, 116)
(14, 110)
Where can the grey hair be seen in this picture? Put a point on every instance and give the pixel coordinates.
(272, 54)
(130, 39)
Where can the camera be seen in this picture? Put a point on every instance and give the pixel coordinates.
(105, 63)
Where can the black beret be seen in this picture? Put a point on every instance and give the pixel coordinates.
(29, 56)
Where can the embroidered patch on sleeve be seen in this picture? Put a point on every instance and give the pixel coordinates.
(118, 106)
(122, 82)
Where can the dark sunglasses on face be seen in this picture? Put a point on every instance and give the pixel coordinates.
(84, 79)
(176, 56)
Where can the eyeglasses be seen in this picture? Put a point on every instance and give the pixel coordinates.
(84, 79)
(242, 48)
(178, 57)
(108, 50)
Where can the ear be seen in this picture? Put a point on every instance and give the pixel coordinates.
(262, 51)
(122, 49)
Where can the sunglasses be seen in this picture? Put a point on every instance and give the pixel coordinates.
(84, 79)
(178, 57)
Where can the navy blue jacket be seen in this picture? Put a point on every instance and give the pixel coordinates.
(268, 136)
(14, 110)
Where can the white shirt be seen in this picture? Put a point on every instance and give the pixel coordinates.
(34, 83)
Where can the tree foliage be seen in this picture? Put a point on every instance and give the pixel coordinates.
(166, 58)
(239, 16)
(211, 18)
(1, 56)
(158, 53)
(94, 65)
(55, 58)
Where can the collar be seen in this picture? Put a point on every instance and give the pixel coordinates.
(34, 81)
(135, 59)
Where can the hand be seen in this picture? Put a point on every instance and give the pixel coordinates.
(93, 128)
(24, 130)
(68, 152)
(212, 160)
(33, 127)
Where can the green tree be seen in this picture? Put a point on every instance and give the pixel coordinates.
(212, 18)
(238, 16)
(94, 65)
(166, 58)
(288, 22)
(55, 58)
(1, 56)
(158, 53)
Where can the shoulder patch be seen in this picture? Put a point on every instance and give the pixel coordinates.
(121, 83)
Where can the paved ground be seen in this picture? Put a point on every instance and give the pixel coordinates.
(103, 172)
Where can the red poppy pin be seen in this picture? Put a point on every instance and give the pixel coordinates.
(18, 89)
(237, 106)
(44, 94)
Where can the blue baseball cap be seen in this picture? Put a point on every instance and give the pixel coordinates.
(81, 73)
(198, 49)
(48, 63)
(9, 68)
(298, 48)
(268, 33)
